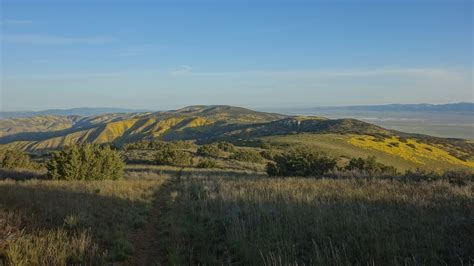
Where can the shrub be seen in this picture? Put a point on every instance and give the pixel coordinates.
(247, 156)
(171, 156)
(269, 154)
(411, 145)
(395, 144)
(301, 162)
(370, 166)
(12, 159)
(209, 150)
(183, 144)
(86, 162)
(265, 145)
(226, 146)
(207, 163)
(402, 139)
(420, 175)
(458, 177)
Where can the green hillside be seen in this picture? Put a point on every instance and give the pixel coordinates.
(204, 124)
(405, 154)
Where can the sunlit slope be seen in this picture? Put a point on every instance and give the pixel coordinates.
(120, 128)
(35, 124)
(399, 152)
(340, 137)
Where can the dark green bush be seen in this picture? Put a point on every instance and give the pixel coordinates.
(411, 145)
(207, 163)
(12, 159)
(86, 162)
(183, 144)
(269, 154)
(402, 139)
(370, 166)
(226, 146)
(247, 156)
(209, 150)
(420, 175)
(168, 155)
(458, 177)
(301, 162)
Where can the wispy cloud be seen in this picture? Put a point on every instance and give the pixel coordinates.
(54, 40)
(336, 73)
(187, 72)
(184, 69)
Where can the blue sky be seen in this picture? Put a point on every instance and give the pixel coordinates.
(168, 54)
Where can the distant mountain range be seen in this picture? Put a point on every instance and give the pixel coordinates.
(423, 107)
(68, 112)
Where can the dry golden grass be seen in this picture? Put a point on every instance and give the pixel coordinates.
(300, 221)
(61, 222)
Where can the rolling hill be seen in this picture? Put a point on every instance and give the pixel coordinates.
(67, 112)
(203, 124)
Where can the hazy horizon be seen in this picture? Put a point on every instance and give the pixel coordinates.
(256, 107)
(164, 55)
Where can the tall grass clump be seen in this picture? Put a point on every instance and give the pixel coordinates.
(300, 221)
(59, 222)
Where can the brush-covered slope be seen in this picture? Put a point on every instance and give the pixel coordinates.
(52, 132)
(213, 123)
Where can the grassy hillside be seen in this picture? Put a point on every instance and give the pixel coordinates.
(40, 133)
(35, 124)
(402, 153)
(205, 124)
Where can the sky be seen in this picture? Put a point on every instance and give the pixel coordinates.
(169, 54)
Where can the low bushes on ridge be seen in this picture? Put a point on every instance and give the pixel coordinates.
(301, 162)
(86, 162)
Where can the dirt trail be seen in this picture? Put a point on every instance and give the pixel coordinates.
(146, 242)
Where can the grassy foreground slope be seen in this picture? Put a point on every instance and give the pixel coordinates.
(211, 217)
(72, 222)
(299, 221)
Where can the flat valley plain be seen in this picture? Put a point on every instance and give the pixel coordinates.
(440, 124)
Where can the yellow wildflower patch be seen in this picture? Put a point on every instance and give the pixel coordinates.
(408, 149)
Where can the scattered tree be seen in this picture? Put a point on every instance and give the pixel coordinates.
(301, 162)
(209, 150)
(226, 146)
(207, 163)
(170, 156)
(12, 159)
(247, 156)
(370, 166)
(86, 162)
